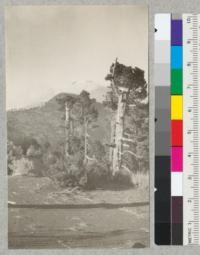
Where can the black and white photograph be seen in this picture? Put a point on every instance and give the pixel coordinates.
(77, 126)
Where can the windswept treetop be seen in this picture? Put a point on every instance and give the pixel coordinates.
(126, 77)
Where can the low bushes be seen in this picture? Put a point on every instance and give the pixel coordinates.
(122, 179)
(70, 170)
(98, 175)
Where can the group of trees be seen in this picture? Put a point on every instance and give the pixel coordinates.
(80, 159)
(79, 111)
(68, 162)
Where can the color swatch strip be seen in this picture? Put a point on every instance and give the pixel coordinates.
(162, 129)
(177, 136)
(176, 132)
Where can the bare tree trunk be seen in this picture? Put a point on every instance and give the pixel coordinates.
(112, 137)
(67, 130)
(118, 136)
(85, 140)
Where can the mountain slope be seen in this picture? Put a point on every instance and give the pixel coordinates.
(46, 123)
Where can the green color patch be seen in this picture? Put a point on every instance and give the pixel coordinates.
(176, 81)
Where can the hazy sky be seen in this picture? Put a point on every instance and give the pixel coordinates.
(52, 49)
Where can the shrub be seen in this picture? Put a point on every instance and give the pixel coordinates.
(33, 151)
(53, 165)
(122, 179)
(76, 175)
(26, 142)
(21, 166)
(140, 180)
(98, 175)
(97, 149)
(13, 153)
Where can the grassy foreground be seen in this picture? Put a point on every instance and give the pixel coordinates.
(33, 190)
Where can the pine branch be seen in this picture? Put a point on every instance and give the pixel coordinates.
(132, 105)
(132, 153)
(88, 158)
(134, 136)
(126, 168)
(128, 140)
(126, 145)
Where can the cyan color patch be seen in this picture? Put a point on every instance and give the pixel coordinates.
(176, 57)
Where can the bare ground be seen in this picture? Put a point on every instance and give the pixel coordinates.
(40, 227)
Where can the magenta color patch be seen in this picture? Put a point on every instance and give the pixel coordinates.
(176, 159)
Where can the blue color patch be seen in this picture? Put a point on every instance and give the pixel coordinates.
(176, 57)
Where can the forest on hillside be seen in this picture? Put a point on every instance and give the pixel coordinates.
(77, 141)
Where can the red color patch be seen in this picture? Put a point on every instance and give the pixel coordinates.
(176, 133)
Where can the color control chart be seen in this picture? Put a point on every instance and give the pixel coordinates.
(177, 129)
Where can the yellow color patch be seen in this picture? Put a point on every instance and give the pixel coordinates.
(176, 107)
